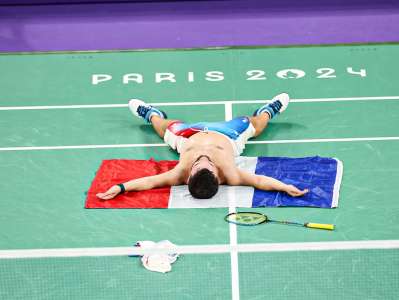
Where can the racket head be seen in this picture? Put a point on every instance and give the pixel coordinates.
(246, 218)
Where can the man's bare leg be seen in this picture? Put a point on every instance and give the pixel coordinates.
(160, 124)
(265, 113)
(259, 122)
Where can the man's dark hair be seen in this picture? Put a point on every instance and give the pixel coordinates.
(203, 184)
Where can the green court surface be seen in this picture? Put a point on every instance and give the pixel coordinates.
(54, 135)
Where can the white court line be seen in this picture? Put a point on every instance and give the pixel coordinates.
(221, 102)
(81, 147)
(364, 139)
(202, 249)
(235, 281)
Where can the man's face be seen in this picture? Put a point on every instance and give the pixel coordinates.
(203, 162)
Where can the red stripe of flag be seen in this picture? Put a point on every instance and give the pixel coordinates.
(116, 171)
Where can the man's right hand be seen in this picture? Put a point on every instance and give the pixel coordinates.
(111, 193)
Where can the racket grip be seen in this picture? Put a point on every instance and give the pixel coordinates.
(320, 226)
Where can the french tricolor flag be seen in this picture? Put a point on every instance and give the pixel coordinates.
(322, 176)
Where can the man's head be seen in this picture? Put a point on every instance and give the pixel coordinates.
(203, 182)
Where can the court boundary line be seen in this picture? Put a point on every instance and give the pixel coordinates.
(220, 102)
(201, 249)
(72, 147)
(235, 278)
(210, 48)
(183, 49)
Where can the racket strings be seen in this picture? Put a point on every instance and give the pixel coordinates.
(246, 218)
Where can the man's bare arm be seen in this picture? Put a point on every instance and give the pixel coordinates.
(170, 178)
(266, 183)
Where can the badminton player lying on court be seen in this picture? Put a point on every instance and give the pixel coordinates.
(207, 152)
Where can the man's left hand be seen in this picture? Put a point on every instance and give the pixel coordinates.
(294, 191)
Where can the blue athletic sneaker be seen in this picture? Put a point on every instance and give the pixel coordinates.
(141, 109)
(278, 105)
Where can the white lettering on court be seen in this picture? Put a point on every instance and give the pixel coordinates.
(214, 76)
(97, 78)
(159, 77)
(132, 77)
(190, 76)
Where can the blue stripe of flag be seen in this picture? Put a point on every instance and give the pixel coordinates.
(318, 174)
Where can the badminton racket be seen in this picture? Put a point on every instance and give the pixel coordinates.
(254, 218)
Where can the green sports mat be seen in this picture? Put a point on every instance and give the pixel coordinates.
(349, 93)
